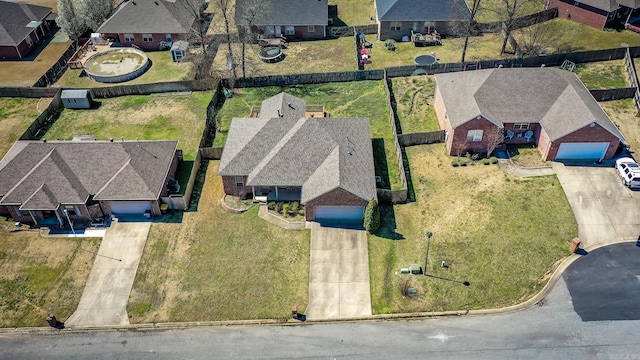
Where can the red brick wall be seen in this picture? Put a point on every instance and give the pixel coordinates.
(302, 32)
(10, 52)
(229, 184)
(587, 134)
(535, 127)
(544, 144)
(441, 112)
(337, 197)
(170, 175)
(385, 32)
(580, 15)
(144, 45)
(459, 136)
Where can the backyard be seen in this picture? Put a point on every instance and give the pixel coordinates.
(16, 115)
(414, 97)
(351, 12)
(213, 265)
(603, 75)
(625, 114)
(348, 99)
(41, 275)
(171, 116)
(162, 69)
(500, 233)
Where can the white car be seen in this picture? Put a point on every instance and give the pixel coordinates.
(629, 171)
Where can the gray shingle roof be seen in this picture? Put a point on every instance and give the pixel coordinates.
(283, 105)
(283, 12)
(74, 94)
(150, 17)
(422, 10)
(42, 175)
(555, 98)
(634, 4)
(318, 154)
(14, 19)
(606, 5)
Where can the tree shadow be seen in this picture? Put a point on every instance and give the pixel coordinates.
(333, 15)
(198, 185)
(380, 163)
(172, 217)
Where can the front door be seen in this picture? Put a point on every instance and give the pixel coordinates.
(278, 31)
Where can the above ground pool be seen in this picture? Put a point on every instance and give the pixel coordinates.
(117, 65)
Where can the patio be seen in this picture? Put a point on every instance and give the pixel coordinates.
(268, 193)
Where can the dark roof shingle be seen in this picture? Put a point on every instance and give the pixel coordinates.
(283, 12)
(422, 10)
(14, 19)
(150, 17)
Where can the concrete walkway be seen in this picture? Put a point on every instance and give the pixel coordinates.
(510, 168)
(105, 296)
(338, 274)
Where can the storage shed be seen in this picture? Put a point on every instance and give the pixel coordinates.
(77, 99)
(179, 50)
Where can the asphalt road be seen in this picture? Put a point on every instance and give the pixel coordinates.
(552, 330)
(605, 284)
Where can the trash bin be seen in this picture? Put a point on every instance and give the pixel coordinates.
(575, 245)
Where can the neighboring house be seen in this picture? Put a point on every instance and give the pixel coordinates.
(546, 107)
(397, 18)
(40, 180)
(294, 19)
(600, 13)
(22, 26)
(324, 163)
(150, 24)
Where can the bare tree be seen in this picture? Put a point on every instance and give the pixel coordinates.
(198, 33)
(70, 18)
(535, 39)
(95, 12)
(245, 21)
(493, 139)
(469, 28)
(509, 12)
(226, 9)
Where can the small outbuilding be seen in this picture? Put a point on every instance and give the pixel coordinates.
(77, 99)
(179, 50)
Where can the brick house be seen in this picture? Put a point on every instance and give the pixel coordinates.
(547, 107)
(293, 19)
(22, 27)
(398, 18)
(40, 181)
(600, 13)
(325, 164)
(150, 24)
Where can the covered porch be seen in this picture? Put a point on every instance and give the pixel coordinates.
(521, 133)
(276, 193)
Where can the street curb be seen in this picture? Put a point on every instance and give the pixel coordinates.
(536, 299)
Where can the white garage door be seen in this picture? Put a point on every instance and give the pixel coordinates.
(130, 207)
(339, 212)
(582, 150)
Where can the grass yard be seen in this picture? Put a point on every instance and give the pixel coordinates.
(603, 75)
(480, 48)
(348, 99)
(526, 155)
(16, 115)
(625, 115)
(561, 35)
(414, 97)
(219, 266)
(26, 73)
(301, 57)
(351, 12)
(147, 117)
(500, 233)
(162, 69)
(492, 10)
(41, 275)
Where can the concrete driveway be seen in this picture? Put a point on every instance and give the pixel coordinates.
(105, 296)
(606, 210)
(338, 274)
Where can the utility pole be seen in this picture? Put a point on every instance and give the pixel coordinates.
(426, 258)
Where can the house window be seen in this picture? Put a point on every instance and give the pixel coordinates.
(239, 181)
(17, 210)
(289, 30)
(311, 28)
(71, 210)
(395, 25)
(269, 30)
(147, 38)
(129, 38)
(521, 126)
(168, 38)
(474, 135)
(415, 26)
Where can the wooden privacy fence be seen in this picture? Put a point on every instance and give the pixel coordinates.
(211, 153)
(153, 88)
(420, 138)
(523, 21)
(394, 196)
(630, 66)
(39, 126)
(57, 69)
(28, 92)
(613, 94)
(313, 78)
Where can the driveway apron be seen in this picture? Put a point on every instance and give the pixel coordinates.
(338, 274)
(605, 210)
(105, 296)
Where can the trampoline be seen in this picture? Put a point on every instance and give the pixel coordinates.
(271, 54)
(425, 60)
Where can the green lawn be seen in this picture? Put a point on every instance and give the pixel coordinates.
(352, 12)
(41, 275)
(414, 96)
(213, 265)
(349, 99)
(147, 117)
(603, 75)
(162, 69)
(500, 233)
(16, 115)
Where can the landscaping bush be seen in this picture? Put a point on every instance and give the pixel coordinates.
(493, 160)
(279, 207)
(486, 161)
(271, 205)
(285, 208)
(372, 217)
(295, 208)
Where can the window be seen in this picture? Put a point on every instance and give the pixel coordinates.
(311, 28)
(71, 210)
(239, 181)
(269, 30)
(129, 38)
(415, 26)
(289, 30)
(395, 25)
(474, 135)
(521, 126)
(168, 38)
(147, 38)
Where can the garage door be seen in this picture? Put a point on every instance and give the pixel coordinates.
(339, 212)
(130, 207)
(582, 150)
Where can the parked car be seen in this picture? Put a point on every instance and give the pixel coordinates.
(629, 171)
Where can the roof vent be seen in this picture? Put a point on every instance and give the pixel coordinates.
(291, 106)
(44, 140)
(134, 3)
(155, 2)
(279, 113)
(110, 139)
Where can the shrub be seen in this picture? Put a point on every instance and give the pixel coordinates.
(295, 208)
(486, 162)
(455, 163)
(279, 206)
(285, 208)
(372, 217)
(271, 205)
(493, 160)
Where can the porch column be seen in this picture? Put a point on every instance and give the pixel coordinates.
(33, 217)
(60, 221)
(253, 191)
(277, 192)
